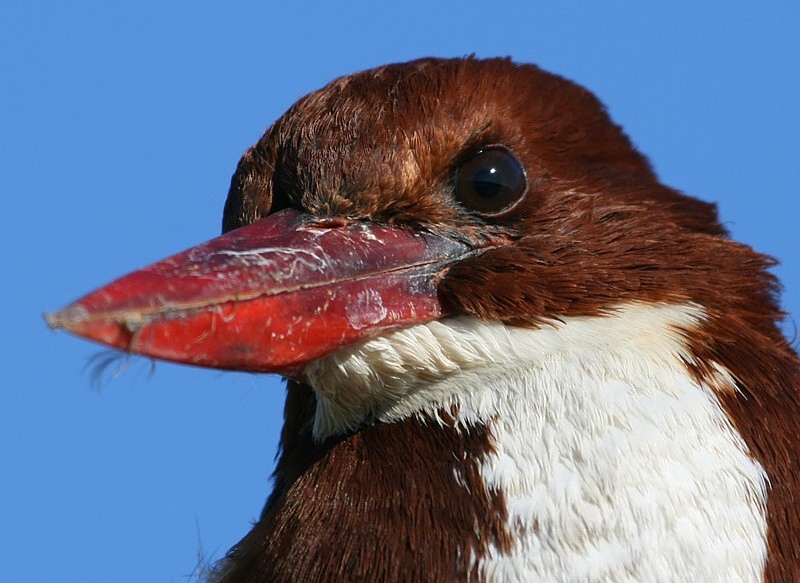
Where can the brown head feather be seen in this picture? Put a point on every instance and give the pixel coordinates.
(596, 229)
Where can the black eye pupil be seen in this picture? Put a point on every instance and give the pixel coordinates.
(491, 182)
(487, 183)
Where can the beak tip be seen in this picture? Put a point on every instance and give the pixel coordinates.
(52, 320)
(77, 319)
(66, 318)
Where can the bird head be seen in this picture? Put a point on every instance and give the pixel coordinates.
(395, 230)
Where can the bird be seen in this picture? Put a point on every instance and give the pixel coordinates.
(511, 353)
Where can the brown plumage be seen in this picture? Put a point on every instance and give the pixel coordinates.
(595, 229)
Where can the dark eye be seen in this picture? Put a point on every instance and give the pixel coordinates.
(491, 182)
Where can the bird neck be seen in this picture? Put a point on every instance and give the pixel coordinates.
(583, 447)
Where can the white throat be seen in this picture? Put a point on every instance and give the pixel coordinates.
(615, 464)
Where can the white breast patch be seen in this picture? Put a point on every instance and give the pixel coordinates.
(615, 464)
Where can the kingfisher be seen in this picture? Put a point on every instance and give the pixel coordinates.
(511, 353)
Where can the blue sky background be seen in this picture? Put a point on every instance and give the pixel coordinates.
(120, 126)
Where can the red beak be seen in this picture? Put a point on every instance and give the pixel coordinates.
(271, 296)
